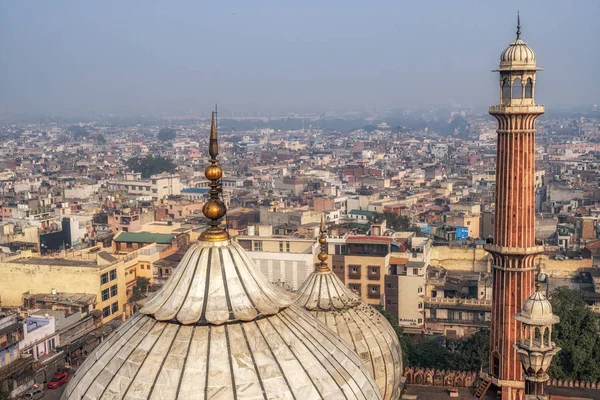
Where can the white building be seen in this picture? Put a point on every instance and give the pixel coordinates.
(158, 186)
(39, 336)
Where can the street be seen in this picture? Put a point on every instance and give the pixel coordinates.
(54, 394)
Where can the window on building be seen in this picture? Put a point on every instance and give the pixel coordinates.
(104, 278)
(129, 245)
(419, 289)
(281, 247)
(287, 247)
(415, 271)
(106, 312)
(517, 89)
(113, 274)
(420, 320)
(420, 305)
(257, 245)
(505, 89)
(529, 89)
(105, 295)
(115, 307)
(113, 290)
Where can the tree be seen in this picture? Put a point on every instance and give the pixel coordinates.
(166, 134)
(4, 393)
(429, 353)
(150, 165)
(472, 353)
(577, 336)
(78, 132)
(101, 139)
(398, 223)
(139, 291)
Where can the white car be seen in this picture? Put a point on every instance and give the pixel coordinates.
(34, 394)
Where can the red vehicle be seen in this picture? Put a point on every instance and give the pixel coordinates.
(59, 379)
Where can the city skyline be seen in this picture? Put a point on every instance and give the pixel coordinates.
(130, 59)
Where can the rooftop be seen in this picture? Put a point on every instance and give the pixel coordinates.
(63, 262)
(144, 237)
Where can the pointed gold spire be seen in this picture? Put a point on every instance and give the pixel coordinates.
(323, 267)
(214, 209)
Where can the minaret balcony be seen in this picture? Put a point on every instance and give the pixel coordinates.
(505, 250)
(517, 109)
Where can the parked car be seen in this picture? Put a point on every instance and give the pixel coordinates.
(34, 394)
(58, 380)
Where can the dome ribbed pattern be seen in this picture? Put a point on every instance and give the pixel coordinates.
(235, 293)
(219, 330)
(518, 52)
(357, 324)
(537, 308)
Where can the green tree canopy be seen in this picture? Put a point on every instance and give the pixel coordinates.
(79, 132)
(166, 134)
(150, 165)
(100, 139)
(398, 223)
(577, 336)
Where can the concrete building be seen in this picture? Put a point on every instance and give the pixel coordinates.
(284, 260)
(361, 262)
(99, 274)
(157, 187)
(405, 284)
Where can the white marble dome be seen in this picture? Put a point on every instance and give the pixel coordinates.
(358, 324)
(518, 52)
(218, 330)
(537, 309)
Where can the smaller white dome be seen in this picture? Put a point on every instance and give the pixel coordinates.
(536, 306)
(537, 310)
(518, 52)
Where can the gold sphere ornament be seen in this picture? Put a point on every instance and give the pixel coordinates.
(323, 256)
(214, 209)
(322, 240)
(213, 172)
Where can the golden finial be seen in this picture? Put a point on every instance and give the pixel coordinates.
(323, 267)
(214, 209)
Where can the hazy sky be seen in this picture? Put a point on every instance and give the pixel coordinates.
(131, 57)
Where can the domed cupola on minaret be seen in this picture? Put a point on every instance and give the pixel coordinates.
(517, 73)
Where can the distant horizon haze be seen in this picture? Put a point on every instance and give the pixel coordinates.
(72, 58)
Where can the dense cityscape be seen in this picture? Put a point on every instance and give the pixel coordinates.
(452, 252)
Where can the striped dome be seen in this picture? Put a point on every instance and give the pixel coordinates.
(218, 330)
(359, 325)
(518, 52)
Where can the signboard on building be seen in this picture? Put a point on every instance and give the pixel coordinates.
(462, 233)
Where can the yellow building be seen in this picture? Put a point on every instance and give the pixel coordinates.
(103, 276)
(110, 277)
(361, 263)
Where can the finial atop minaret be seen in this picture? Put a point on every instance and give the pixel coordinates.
(538, 273)
(323, 267)
(214, 209)
(518, 25)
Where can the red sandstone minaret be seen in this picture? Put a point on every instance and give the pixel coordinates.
(514, 248)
